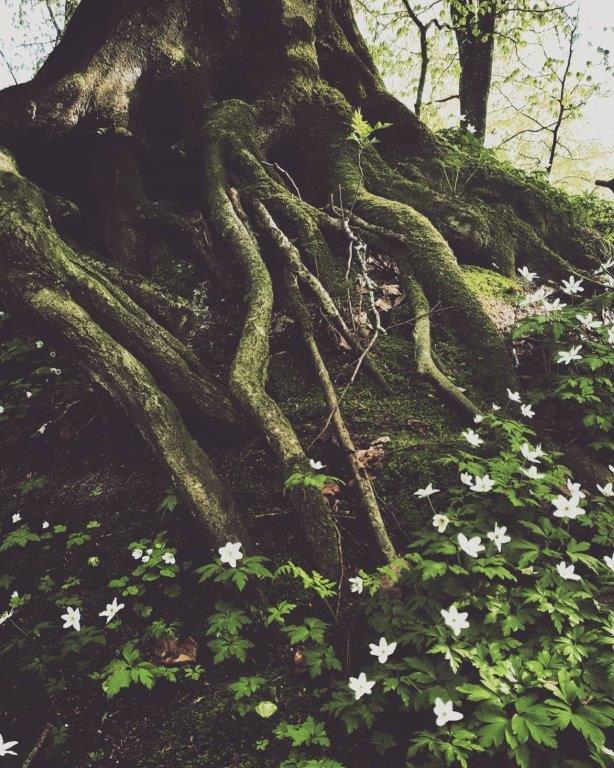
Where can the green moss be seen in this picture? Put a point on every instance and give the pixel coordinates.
(486, 283)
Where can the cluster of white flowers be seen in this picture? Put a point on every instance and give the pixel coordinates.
(541, 296)
(72, 617)
(360, 685)
(573, 286)
(526, 409)
(145, 556)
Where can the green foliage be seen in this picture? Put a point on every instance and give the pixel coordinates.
(20, 537)
(363, 133)
(132, 669)
(225, 625)
(309, 732)
(315, 480)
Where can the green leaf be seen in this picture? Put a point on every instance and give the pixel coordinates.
(265, 709)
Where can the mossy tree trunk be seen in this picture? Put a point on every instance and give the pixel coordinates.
(252, 100)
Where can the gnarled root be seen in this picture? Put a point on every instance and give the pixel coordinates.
(422, 253)
(305, 219)
(249, 368)
(31, 255)
(424, 359)
(366, 493)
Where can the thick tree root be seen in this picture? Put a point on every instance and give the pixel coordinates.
(172, 312)
(426, 256)
(173, 365)
(306, 220)
(297, 306)
(31, 255)
(249, 368)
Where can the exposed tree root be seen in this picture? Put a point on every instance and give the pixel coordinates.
(424, 359)
(173, 313)
(249, 368)
(364, 487)
(175, 367)
(306, 218)
(32, 253)
(422, 253)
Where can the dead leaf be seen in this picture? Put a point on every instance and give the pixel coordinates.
(361, 319)
(170, 650)
(341, 342)
(392, 296)
(369, 457)
(330, 489)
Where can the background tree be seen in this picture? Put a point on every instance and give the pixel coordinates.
(528, 49)
(474, 28)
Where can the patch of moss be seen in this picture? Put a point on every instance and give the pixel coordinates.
(487, 283)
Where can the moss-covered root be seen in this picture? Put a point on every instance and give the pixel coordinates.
(134, 390)
(424, 254)
(297, 307)
(424, 359)
(172, 312)
(25, 221)
(420, 250)
(249, 368)
(324, 299)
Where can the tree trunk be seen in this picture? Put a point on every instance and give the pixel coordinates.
(166, 120)
(474, 28)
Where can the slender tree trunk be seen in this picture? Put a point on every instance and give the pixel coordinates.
(474, 28)
(424, 55)
(561, 106)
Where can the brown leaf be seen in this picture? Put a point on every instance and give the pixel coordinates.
(362, 319)
(369, 457)
(391, 289)
(381, 440)
(170, 650)
(341, 342)
(330, 489)
(384, 304)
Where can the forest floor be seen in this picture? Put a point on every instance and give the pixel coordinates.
(76, 471)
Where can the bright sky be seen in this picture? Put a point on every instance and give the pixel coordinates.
(597, 124)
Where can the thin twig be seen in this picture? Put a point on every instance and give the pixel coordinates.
(37, 747)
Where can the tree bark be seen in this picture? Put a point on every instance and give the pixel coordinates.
(474, 27)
